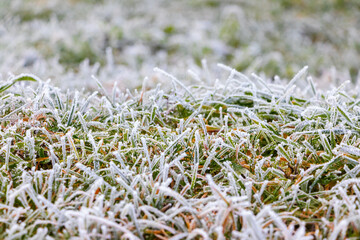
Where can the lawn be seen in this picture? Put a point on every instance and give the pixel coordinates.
(119, 124)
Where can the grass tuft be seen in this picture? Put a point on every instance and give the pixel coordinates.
(246, 159)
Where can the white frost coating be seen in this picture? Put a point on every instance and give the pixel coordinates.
(159, 163)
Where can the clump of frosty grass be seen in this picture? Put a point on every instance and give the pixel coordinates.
(247, 159)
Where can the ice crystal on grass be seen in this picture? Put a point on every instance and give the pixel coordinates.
(246, 159)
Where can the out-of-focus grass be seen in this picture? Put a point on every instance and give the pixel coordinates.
(274, 37)
(72, 56)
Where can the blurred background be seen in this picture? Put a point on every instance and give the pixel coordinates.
(122, 41)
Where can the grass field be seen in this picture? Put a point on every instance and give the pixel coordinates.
(142, 134)
(124, 40)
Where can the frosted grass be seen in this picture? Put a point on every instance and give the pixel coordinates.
(233, 160)
(69, 41)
